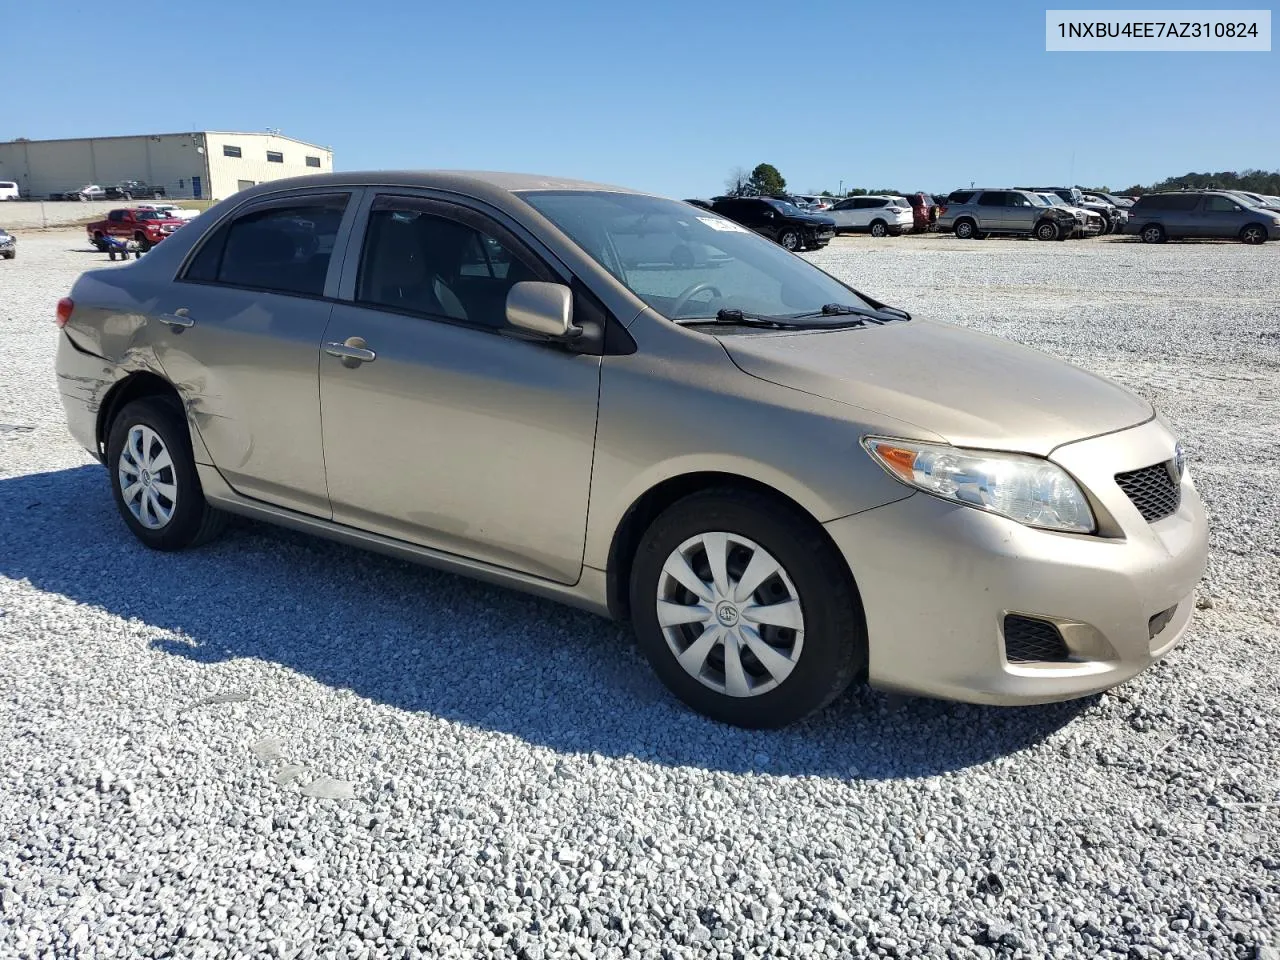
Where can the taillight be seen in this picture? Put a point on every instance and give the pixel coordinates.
(941, 209)
(65, 306)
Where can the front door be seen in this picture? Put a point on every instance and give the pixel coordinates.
(448, 430)
(1218, 216)
(1020, 214)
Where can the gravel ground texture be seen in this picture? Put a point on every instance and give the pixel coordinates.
(279, 747)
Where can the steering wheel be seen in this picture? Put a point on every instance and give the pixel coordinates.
(690, 293)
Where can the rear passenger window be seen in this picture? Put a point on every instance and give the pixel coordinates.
(993, 198)
(282, 248)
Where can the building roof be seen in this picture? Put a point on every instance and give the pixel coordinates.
(179, 133)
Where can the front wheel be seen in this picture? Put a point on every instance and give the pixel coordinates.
(790, 240)
(745, 609)
(1047, 230)
(1254, 233)
(154, 480)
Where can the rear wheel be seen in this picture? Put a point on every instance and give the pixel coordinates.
(100, 242)
(879, 228)
(966, 230)
(790, 239)
(1153, 233)
(745, 609)
(1254, 233)
(154, 480)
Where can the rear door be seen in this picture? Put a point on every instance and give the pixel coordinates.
(252, 305)
(991, 209)
(1181, 215)
(454, 432)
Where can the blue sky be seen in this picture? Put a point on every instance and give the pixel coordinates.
(665, 96)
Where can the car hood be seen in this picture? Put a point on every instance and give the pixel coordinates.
(814, 219)
(972, 389)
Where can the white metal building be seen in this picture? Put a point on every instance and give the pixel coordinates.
(203, 165)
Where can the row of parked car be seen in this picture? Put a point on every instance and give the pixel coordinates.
(1046, 213)
(124, 190)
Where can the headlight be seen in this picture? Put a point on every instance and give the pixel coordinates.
(1027, 489)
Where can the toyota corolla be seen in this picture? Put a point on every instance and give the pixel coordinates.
(782, 482)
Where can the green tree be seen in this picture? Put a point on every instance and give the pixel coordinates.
(765, 179)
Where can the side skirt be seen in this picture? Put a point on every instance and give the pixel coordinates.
(589, 593)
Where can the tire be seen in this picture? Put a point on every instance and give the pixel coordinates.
(1047, 230)
(189, 520)
(790, 240)
(100, 242)
(1107, 226)
(820, 658)
(879, 228)
(11, 254)
(1153, 233)
(144, 244)
(1253, 233)
(966, 230)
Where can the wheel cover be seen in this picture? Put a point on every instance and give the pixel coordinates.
(146, 477)
(1252, 234)
(964, 229)
(1151, 234)
(730, 614)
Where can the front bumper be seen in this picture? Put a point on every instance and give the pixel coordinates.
(937, 580)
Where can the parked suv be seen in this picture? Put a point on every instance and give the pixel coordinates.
(1158, 217)
(782, 222)
(9, 190)
(976, 214)
(785, 484)
(8, 244)
(878, 216)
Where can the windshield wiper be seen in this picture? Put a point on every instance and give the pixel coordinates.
(881, 314)
(738, 318)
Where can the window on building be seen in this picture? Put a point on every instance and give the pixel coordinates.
(273, 157)
(229, 151)
(313, 161)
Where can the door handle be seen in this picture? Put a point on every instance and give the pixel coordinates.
(177, 319)
(352, 352)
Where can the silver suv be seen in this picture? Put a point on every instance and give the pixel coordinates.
(977, 214)
(1158, 217)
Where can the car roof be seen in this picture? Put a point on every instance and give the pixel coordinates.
(482, 184)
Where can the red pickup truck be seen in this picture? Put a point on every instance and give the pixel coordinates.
(148, 227)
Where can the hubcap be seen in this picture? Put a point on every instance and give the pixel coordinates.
(145, 474)
(730, 614)
(789, 241)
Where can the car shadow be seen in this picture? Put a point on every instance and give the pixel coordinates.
(425, 641)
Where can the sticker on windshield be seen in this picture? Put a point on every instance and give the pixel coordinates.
(724, 226)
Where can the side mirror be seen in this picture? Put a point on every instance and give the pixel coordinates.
(542, 308)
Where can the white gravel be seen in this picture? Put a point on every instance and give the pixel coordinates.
(278, 747)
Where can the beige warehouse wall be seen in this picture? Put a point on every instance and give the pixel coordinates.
(226, 174)
(54, 166)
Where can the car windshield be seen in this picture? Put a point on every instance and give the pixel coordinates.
(149, 215)
(1050, 199)
(685, 262)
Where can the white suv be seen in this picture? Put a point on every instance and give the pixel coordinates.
(878, 216)
(9, 190)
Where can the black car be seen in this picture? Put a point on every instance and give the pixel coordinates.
(134, 190)
(782, 222)
(704, 204)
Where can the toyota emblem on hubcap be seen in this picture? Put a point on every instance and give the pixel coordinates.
(727, 614)
(146, 478)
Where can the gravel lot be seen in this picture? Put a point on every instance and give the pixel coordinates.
(279, 747)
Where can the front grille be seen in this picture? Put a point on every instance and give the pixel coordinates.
(1153, 490)
(1028, 640)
